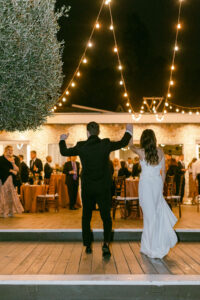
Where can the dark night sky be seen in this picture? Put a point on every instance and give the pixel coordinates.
(145, 32)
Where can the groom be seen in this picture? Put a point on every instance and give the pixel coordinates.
(96, 178)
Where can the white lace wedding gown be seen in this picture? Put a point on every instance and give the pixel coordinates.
(158, 235)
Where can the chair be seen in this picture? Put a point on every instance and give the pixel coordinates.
(41, 201)
(198, 202)
(175, 200)
(48, 200)
(128, 204)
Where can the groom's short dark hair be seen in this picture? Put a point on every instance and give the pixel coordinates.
(93, 128)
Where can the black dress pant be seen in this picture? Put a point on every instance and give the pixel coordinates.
(103, 199)
(198, 179)
(72, 191)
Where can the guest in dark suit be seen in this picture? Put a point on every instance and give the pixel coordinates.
(96, 179)
(72, 171)
(36, 166)
(123, 171)
(48, 169)
(136, 167)
(181, 172)
(24, 170)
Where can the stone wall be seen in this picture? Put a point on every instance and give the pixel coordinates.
(186, 134)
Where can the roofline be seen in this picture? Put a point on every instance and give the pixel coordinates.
(121, 118)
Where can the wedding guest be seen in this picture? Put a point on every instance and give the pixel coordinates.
(130, 164)
(123, 171)
(23, 170)
(182, 170)
(192, 182)
(168, 158)
(196, 173)
(72, 171)
(48, 169)
(136, 170)
(116, 165)
(36, 166)
(173, 170)
(9, 200)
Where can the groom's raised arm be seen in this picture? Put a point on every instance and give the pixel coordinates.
(64, 151)
(125, 139)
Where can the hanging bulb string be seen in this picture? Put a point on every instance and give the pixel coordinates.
(84, 53)
(118, 57)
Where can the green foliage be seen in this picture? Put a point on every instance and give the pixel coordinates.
(30, 62)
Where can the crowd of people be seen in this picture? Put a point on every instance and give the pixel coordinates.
(14, 172)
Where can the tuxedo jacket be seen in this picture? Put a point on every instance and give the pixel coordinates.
(180, 167)
(67, 168)
(38, 164)
(47, 171)
(24, 172)
(94, 154)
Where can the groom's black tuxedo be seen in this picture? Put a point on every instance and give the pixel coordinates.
(95, 179)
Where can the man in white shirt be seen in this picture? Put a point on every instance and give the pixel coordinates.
(196, 173)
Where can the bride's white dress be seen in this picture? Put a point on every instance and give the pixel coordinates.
(158, 234)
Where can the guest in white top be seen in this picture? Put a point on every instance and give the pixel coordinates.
(196, 173)
(130, 164)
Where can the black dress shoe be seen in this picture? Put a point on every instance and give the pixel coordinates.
(106, 251)
(88, 250)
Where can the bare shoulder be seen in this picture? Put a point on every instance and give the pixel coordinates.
(161, 154)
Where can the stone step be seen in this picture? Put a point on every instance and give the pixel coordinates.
(99, 287)
(184, 235)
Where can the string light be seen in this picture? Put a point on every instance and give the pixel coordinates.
(64, 99)
(97, 25)
(73, 84)
(120, 67)
(90, 44)
(85, 60)
(78, 74)
(115, 49)
(111, 27)
(121, 82)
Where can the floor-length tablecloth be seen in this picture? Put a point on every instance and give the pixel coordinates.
(57, 183)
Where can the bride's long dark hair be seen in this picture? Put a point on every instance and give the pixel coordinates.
(148, 143)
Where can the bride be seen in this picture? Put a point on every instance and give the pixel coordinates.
(158, 235)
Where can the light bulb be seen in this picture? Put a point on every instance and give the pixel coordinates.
(97, 25)
(55, 107)
(121, 82)
(78, 74)
(111, 27)
(127, 104)
(165, 111)
(90, 44)
(171, 82)
(60, 104)
(166, 104)
(125, 94)
(168, 95)
(190, 112)
(67, 93)
(120, 67)
(142, 107)
(154, 102)
(85, 60)
(183, 111)
(115, 49)
(177, 110)
(64, 99)
(73, 84)
(141, 111)
(144, 102)
(179, 26)
(107, 2)
(172, 67)
(129, 110)
(176, 48)
(197, 113)
(170, 107)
